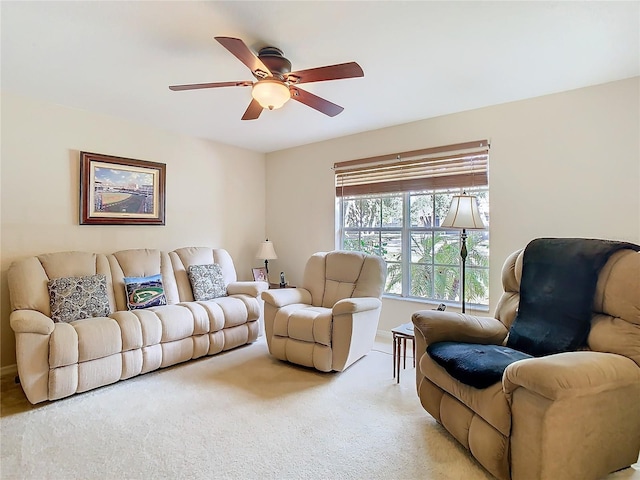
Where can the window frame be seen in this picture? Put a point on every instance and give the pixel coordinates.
(406, 229)
(448, 169)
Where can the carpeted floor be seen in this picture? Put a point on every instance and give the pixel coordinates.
(238, 415)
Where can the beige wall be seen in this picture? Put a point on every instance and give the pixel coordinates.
(214, 196)
(560, 165)
(565, 165)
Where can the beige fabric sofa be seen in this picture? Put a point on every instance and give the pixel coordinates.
(56, 360)
(573, 415)
(331, 321)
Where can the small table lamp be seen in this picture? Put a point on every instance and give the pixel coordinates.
(266, 253)
(463, 214)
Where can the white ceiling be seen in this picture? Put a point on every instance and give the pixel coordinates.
(421, 59)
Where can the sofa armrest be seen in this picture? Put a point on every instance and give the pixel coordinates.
(437, 326)
(571, 374)
(31, 321)
(253, 289)
(581, 406)
(286, 296)
(354, 328)
(355, 305)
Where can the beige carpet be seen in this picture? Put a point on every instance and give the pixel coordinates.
(238, 415)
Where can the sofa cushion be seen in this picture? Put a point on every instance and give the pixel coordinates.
(489, 403)
(305, 323)
(98, 338)
(474, 364)
(341, 275)
(207, 281)
(234, 309)
(144, 292)
(75, 298)
(176, 322)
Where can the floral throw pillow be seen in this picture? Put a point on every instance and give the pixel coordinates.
(144, 292)
(207, 281)
(75, 298)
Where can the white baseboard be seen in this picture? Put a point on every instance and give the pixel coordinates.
(384, 334)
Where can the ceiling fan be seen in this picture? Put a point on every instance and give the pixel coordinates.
(276, 83)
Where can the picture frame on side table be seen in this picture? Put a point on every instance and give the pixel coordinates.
(121, 191)
(260, 274)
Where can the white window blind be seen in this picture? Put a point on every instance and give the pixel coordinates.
(461, 164)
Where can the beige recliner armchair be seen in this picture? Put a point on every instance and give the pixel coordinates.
(332, 320)
(574, 414)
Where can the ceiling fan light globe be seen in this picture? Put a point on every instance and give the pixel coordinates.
(270, 93)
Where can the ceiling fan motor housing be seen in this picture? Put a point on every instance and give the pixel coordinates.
(274, 60)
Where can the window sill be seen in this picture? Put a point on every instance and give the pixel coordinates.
(451, 306)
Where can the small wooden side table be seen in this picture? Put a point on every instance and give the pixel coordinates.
(400, 336)
(277, 285)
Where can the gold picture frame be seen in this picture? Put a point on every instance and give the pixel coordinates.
(121, 191)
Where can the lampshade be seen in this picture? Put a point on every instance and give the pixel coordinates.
(463, 213)
(266, 251)
(270, 93)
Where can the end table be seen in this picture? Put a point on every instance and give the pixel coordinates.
(277, 285)
(401, 334)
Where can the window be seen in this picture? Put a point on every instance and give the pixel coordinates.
(382, 209)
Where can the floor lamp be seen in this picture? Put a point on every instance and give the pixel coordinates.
(463, 214)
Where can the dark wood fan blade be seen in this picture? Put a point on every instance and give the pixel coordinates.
(246, 56)
(313, 101)
(195, 86)
(330, 72)
(253, 110)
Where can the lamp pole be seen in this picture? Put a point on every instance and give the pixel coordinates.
(463, 214)
(463, 256)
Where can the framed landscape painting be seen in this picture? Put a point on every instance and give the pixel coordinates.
(121, 191)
